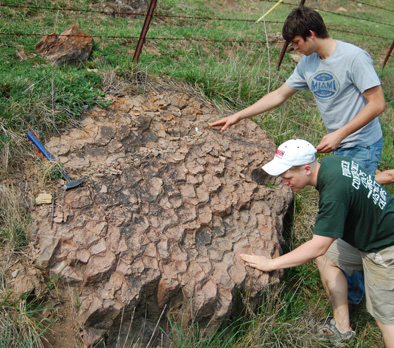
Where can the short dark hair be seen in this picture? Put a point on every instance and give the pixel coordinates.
(300, 21)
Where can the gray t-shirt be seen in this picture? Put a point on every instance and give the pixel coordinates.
(337, 83)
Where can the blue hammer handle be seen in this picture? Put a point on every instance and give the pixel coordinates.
(39, 146)
(70, 183)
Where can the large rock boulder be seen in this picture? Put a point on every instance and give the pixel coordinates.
(157, 226)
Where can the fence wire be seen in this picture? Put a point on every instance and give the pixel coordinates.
(133, 13)
(184, 18)
(349, 1)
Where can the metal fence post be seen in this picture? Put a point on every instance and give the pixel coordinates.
(144, 31)
(388, 54)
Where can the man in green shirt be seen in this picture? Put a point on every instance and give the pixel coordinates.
(354, 231)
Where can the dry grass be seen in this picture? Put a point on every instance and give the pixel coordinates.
(21, 322)
(13, 217)
(10, 151)
(274, 328)
(21, 325)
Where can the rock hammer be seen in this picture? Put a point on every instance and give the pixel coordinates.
(70, 183)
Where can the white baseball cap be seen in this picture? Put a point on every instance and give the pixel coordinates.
(294, 152)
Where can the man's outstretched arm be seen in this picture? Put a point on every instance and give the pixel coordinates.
(308, 251)
(268, 102)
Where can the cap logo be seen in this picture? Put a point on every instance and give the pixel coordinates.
(279, 153)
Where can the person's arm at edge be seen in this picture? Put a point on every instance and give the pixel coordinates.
(385, 177)
(376, 105)
(268, 102)
(308, 251)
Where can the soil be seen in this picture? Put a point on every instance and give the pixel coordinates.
(65, 332)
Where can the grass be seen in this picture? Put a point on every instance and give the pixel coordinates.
(14, 218)
(270, 326)
(231, 62)
(21, 324)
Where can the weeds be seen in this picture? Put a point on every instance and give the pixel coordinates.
(47, 172)
(14, 218)
(281, 321)
(179, 336)
(20, 323)
(53, 281)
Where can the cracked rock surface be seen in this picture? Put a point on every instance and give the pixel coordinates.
(166, 207)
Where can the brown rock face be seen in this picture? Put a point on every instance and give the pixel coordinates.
(167, 206)
(70, 47)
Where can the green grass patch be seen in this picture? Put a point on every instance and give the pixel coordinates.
(21, 322)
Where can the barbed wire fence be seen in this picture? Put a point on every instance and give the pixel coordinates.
(150, 16)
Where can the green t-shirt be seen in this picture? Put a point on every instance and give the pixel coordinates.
(353, 206)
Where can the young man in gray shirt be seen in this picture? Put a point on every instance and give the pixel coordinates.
(344, 84)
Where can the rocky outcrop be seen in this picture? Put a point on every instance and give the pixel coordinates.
(125, 8)
(167, 206)
(72, 46)
(136, 4)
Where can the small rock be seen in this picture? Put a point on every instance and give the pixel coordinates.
(44, 198)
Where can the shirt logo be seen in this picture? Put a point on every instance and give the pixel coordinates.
(324, 85)
(359, 178)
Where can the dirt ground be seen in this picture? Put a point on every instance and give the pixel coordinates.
(65, 332)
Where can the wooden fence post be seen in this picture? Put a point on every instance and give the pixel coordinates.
(144, 30)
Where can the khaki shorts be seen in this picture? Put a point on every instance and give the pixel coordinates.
(378, 273)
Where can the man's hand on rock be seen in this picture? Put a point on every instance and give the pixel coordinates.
(261, 263)
(225, 122)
